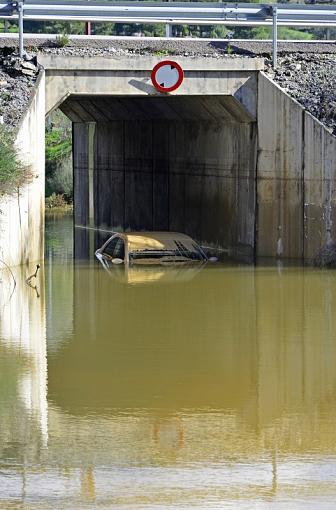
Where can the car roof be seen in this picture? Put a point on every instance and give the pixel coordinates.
(139, 241)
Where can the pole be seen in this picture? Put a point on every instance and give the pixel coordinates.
(275, 36)
(88, 28)
(169, 30)
(20, 9)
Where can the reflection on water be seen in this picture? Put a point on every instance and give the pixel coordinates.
(215, 390)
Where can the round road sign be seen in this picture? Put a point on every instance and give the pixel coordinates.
(167, 76)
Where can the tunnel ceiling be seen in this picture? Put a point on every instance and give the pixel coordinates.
(157, 108)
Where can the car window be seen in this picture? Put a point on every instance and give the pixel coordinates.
(109, 249)
(119, 250)
(191, 254)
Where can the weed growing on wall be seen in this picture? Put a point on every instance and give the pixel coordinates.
(13, 174)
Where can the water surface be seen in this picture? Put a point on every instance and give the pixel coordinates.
(200, 388)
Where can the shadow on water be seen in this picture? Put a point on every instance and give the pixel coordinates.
(215, 389)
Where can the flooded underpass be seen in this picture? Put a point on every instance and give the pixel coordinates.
(199, 387)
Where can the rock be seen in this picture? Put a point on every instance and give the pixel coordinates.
(29, 65)
(28, 72)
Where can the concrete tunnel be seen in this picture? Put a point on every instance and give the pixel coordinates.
(178, 163)
(229, 158)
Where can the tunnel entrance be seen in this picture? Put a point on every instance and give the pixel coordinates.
(177, 163)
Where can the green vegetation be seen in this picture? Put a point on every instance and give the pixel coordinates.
(57, 201)
(266, 33)
(58, 160)
(58, 144)
(13, 174)
(212, 31)
(62, 40)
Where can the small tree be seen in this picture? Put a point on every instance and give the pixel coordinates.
(13, 174)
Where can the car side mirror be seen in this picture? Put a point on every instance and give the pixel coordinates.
(117, 261)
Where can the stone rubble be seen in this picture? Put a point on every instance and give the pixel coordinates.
(311, 80)
(17, 77)
(308, 75)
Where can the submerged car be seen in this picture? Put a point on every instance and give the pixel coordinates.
(162, 248)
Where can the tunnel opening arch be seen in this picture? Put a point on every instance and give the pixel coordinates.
(183, 164)
(148, 161)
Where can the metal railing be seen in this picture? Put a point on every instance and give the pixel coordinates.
(170, 13)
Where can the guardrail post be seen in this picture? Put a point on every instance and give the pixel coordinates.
(275, 36)
(88, 28)
(20, 9)
(169, 30)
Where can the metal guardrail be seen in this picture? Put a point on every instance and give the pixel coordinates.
(170, 13)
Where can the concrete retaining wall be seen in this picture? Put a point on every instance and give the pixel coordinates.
(22, 216)
(296, 170)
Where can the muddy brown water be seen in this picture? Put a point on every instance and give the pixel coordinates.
(201, 388)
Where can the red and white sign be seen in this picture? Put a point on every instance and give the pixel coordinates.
(167, 76)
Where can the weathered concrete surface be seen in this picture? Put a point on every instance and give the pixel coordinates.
(131, 76)
(22, 216)
(295, 175)
(319, 186)
(279, 173)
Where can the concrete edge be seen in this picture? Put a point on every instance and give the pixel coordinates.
(31, 98)
(146, 63)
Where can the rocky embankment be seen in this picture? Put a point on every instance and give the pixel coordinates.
(17, 77)
(306, 71)
(311, 80)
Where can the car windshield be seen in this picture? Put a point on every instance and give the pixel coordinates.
(179, 252)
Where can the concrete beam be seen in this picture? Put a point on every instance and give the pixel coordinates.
(232, 76)
(162, 109)
(146, 63)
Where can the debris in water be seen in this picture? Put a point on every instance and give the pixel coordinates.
(326, 257)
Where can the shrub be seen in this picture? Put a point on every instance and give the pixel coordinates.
(62, 40)
(55, 201)
(13, 174)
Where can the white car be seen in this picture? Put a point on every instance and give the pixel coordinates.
(151, 248)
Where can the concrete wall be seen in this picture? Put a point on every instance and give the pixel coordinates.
(129, 76)
(319, 186)
(188, 176)
(296, 170)
(23, 341)
(22, 216)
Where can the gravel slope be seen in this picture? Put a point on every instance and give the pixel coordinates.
(311, 80)
(307, 71)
